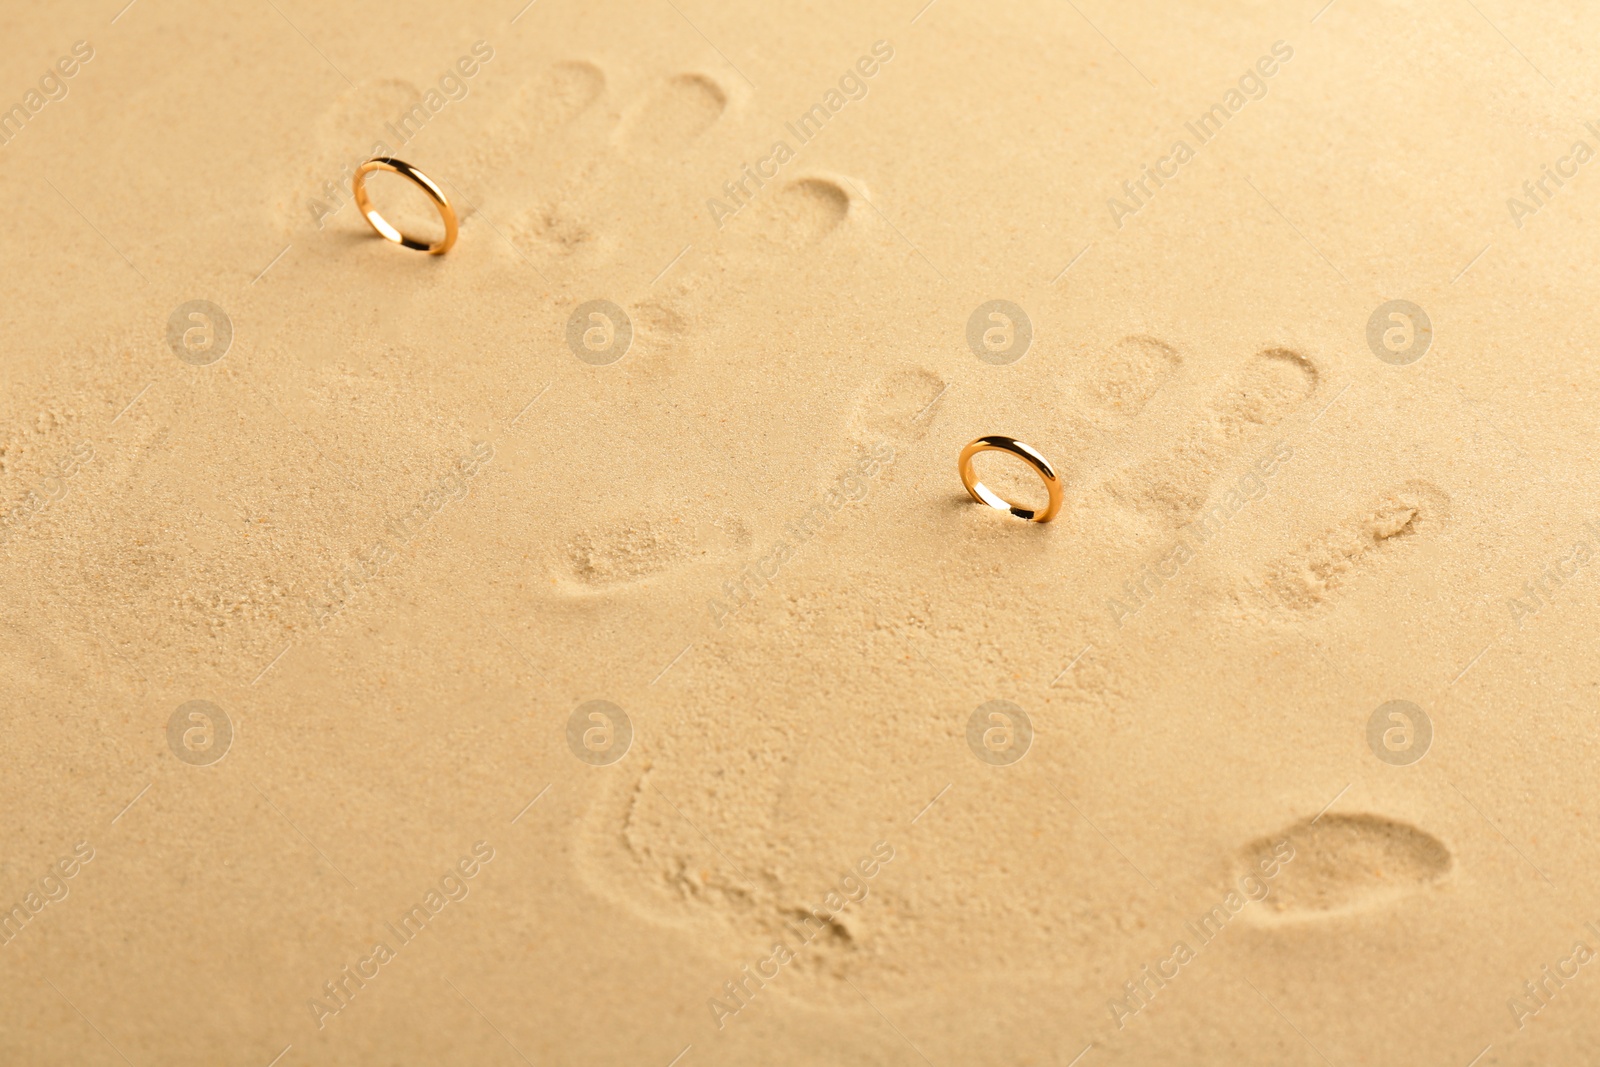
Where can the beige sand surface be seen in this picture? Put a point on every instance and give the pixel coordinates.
(399, 534)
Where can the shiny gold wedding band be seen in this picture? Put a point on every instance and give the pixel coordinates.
(423, 182)
(984, 495)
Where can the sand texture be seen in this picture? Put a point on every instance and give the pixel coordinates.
(578, 648)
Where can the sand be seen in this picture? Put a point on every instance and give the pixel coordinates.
(578, 648)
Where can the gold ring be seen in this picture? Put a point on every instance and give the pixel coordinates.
(984, 495)
(423, 182)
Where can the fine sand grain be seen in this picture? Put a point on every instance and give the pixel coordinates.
(578, 648)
